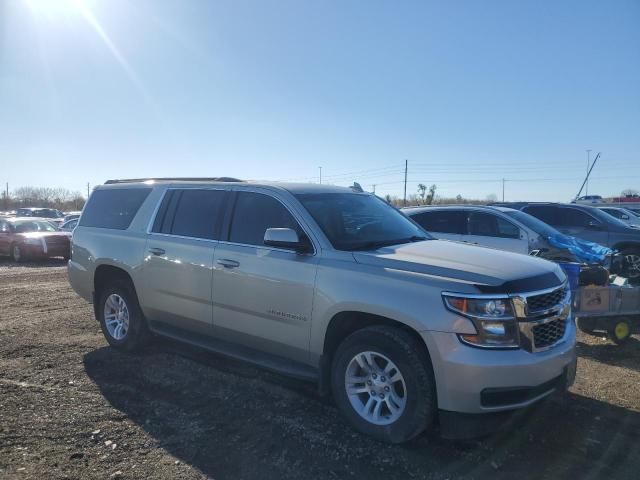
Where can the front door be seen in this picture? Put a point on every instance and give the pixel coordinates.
(178, 267)
(490, 230)
(263, 296)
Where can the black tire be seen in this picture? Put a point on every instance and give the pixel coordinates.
(620, 333)
(137, 334)
(412, 360)
(16, 254)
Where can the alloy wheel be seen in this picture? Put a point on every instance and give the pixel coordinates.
(376, 388)
(633, 265)
(116, 316)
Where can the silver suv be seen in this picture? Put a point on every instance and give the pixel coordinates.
(331, 285)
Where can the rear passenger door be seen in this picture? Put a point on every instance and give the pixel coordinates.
(177, 271)
(444, 224)
(263, 296)
(490, 230)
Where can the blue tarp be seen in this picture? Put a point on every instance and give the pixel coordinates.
(584, 251)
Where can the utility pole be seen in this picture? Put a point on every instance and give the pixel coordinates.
(320, 168)
(374, 188)
(6, 197)
(588, 165)
(503, 180)
(406, 166)
(87, 190)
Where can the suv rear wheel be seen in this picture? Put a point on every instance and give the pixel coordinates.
(120, 316)
(382, 382)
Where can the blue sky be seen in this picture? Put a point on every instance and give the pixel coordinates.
(469, 92)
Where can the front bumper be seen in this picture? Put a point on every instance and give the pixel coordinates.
(472, 380)
(38, 250)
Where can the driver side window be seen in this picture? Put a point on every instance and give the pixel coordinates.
(254, 213)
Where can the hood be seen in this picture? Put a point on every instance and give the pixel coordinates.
(44, 234)
(491, 271)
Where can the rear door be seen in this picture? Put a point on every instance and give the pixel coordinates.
(263, 296)
(444, 224)
(491, 230)
(178, 268)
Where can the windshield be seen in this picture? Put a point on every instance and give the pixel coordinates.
(606, 218)
(360, 221)
(533, 223)
(27, 226)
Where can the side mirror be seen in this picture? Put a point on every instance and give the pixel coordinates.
(285, 238)
(625, 217)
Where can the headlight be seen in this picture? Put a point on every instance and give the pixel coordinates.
(495, 322)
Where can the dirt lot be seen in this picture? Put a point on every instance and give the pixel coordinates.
(70, 407)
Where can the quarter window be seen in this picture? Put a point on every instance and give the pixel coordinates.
(254, 213)
(113, 207)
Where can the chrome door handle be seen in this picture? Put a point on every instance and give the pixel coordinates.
(226, 263)
(157, 251)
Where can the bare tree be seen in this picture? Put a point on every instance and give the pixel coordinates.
(432, 194)
(422, 191)
(629, 192)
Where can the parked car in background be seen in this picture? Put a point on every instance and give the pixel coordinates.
(589, 199)
(625, 215)
(332, 285)
(591, 224)
(69, 225)
(495, 227)
(30, 238)
(71, 215)
(51, 214)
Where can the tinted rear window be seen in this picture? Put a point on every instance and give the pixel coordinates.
(113, 208)
(442, 221)
(191, 213)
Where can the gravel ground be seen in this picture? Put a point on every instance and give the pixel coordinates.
(70, 407)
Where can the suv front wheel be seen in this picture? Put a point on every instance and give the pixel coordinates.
(120, 316)
(382, 382)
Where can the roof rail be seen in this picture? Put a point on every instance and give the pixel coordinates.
(173, 179)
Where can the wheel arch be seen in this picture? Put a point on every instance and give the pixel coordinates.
(627, 245)
(344, 323)
(104, 275)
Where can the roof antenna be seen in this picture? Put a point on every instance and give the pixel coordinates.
(356, 187)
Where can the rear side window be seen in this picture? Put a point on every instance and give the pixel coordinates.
(442, 221)
(113, 208)
(572, 217)
(488, 225)
(191, 213)
(254, 213)
(548, 215)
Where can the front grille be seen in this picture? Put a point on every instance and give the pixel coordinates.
(545, 301)
(55, 241)
(548, 334)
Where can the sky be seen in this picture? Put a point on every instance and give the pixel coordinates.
(467, 92)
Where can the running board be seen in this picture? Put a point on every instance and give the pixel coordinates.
(264, 360)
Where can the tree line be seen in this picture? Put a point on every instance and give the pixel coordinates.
(49, 197)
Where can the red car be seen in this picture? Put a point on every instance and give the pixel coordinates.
(28, 238)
